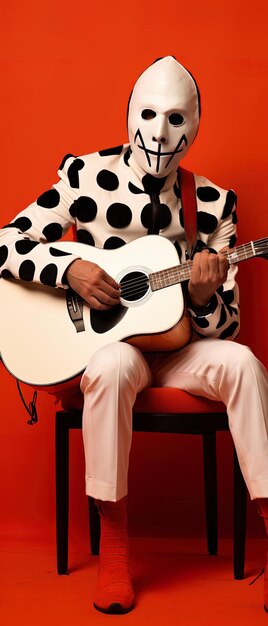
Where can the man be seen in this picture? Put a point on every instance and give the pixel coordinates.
(113, 197)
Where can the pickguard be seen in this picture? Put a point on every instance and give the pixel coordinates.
(103, 321)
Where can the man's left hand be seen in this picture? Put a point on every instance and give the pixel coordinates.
(209, 271)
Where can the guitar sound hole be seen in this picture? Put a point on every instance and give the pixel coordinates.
(134, 286)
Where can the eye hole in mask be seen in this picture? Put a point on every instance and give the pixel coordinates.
(148, 114)
(176, 119)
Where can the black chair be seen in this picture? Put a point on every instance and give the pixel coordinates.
(164, 411)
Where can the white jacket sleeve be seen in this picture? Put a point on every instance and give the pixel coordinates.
(223, 321)
(26, 244)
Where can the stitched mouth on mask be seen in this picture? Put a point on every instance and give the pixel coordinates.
(158, 153)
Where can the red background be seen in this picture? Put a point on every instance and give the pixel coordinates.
(67, 71)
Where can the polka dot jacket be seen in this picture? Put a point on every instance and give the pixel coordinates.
(107, 198)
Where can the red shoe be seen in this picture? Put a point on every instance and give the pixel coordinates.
(114, 592)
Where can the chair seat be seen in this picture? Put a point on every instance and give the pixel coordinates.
(170, 400)
(154, 400)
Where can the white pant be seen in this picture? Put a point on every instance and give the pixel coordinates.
(215, 369)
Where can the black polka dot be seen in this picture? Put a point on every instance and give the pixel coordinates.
(52, 232)
(134, 189)
(228, 299)
(84, 209)
(127, 156)
(223, 317)
(6, 274)
(3, 254)
(83, 236)
(26, 270)
(206, 223)
(228, 332)
(230, 201)
(213, 303)
(23, 223)
(48, 275)
(146, 215)
(113, 242)
(65, 158)
(26, 245)
(207, 194)
(107, 180)
(152, 184)
(232, 241)
(73, 172)
(119, 215)
(49, 200)
(57, 252)
(227, 296)
(164, 216)
(234, 217)
(111, 151)
(199, 246)
(202, 322)
(177, 191)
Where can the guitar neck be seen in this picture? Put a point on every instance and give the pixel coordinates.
(181, 273)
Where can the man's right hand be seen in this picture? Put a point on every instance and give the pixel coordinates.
(92, 283)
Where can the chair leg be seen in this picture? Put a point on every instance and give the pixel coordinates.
(240, 515)
(62, 493)
(94, 526)
(211, 498)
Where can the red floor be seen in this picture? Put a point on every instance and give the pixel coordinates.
(176, 583)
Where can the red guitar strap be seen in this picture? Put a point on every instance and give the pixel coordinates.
(189, 208)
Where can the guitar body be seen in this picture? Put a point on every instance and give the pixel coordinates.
(40, 343)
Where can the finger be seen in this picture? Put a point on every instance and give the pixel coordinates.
(101, 280)
(195, 270)
(95, 303)
(223, 266)
(200, 257)
(204, 264)
(112, 292)
(102, 296)
(99, 276)
(213, 266)
(110, 281)
(108, 290)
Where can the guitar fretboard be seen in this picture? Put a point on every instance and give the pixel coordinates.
(180, 273)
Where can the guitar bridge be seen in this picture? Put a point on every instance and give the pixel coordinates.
(75, 309)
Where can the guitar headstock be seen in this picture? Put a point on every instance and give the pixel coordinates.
(261, 247)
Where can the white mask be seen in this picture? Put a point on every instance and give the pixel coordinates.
(163, 116)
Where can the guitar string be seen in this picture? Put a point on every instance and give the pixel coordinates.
(166, 278)
(174, 273)
(239, 252)
(235, 251)
(159, 279)
(171, 276)
(139, 282)
(180, 272)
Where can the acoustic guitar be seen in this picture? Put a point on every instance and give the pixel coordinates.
(48, 335)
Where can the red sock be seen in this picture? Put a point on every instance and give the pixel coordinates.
(114, 592)
(263, 511)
